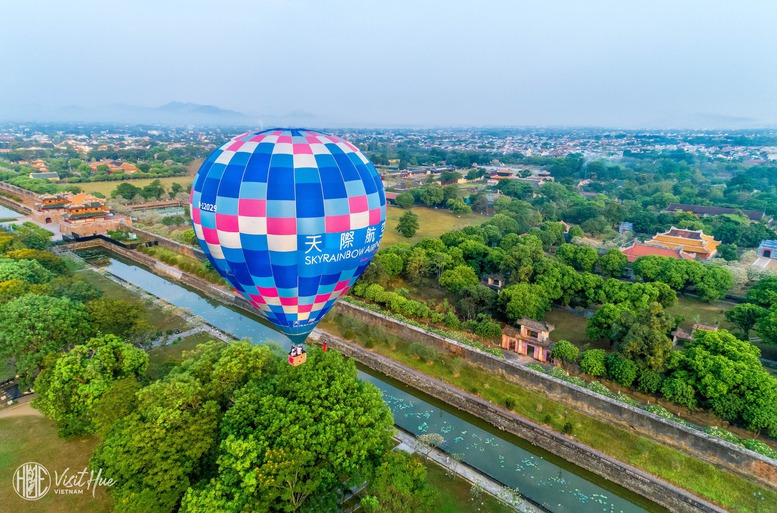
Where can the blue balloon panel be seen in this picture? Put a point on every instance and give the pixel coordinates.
(290, 218)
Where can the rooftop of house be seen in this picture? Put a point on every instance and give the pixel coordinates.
(512, 331)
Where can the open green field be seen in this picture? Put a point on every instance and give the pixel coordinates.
(162, 359)
(106, 188)
(695, 311)
(432, 222)
(156, 317)
(571, 326)
(34, 439)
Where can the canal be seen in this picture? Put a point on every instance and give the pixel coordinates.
(559, 486)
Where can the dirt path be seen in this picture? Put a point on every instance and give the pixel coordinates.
(23, 409)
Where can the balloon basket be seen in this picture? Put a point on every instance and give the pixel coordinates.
(298, 360)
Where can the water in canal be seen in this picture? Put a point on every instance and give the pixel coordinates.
(7, 213)
(556, 484)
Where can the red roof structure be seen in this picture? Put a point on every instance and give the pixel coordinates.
(637, 249)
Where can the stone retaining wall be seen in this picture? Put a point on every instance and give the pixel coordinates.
(169, 243)
(669, 496)
(733, 458)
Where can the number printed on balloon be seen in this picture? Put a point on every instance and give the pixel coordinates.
(291, 218)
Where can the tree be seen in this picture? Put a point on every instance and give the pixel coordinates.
(68, 391)
(30, 271)
(613, 263)
(764, 292)
(295, 439)
(404, 200)
(432, 195)
(600, 325)
(399, 485)
(728, 252)
(592, 362)
(115, 316)
(524, 300)
(581, 258)
(426, 442)
(408, 224)
(766, 325)
(642, 336)
(154, 190)
(714, 283)
(126, 190)
(475, 299)
(745, 316)
(156, 452)
(50, 261)
(391, 263)
(565, 351)
(32, 327)
(458, 206)
(453, 280)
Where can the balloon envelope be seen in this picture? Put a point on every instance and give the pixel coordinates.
(290, 218)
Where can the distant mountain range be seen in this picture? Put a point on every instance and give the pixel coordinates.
(173, 113)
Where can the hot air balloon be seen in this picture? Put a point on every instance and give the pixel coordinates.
(290, 218)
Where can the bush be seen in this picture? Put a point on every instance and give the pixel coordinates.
(620, 369)
(657, 409)
(537, 367)
(592, 362)
(680, 392)
(568, 428)
(649, 381)
(488, 328)
(510, 403)
(558, 372)
(565, 351)
(422, 351)
(626, 399)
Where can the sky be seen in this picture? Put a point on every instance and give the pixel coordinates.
(393, 63)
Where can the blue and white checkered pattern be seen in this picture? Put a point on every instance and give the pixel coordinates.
(291, 218)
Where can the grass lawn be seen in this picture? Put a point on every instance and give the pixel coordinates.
(432, 223)
(570, 326)
(677, 467)
(107, 188)
(25, 439)
(158, 318)
(698, 311)
(162, 359)
(454, 494)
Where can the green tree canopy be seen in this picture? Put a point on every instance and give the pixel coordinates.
(32, 327)
(295, 439)
(408, 224)
(68, 391)
(565, 351)
(454, 280)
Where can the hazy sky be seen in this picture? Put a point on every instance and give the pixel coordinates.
(396, 62)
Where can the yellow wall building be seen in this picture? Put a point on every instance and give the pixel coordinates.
(694, 242)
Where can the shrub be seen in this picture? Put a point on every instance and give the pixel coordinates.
(510, 403)
(620, 369)
(592, 362)
(657, 409)
(536, 366)
(649, 381)
(680, 392)
(558, 372)
(626, 399)
(565, 351)
(422, 351)
(488, 328)
(568, 428)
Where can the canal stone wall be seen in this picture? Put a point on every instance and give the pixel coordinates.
(734, 458)
(657, 490)
(669, 496)
(169, 243)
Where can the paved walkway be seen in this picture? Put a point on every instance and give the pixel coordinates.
(469, 474)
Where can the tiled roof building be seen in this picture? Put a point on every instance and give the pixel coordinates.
(694, 242)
